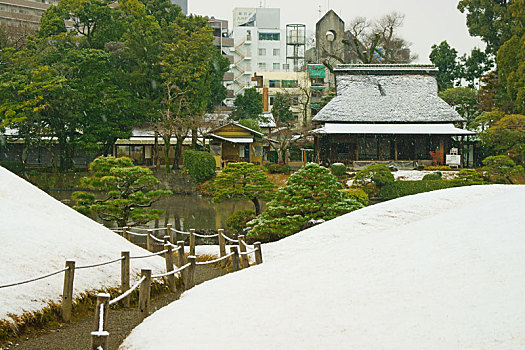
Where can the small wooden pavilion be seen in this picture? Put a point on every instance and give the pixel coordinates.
(234, 142)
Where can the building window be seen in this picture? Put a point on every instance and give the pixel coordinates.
(275, 83)
(286, 66)
(276, 66)
(262, 52)
(290, 83)
(295, 101)
(262, 66)
(271, 100)
(276, 52)
(270, 36)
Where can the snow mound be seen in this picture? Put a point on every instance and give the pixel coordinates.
(38, 234)
(437, 270)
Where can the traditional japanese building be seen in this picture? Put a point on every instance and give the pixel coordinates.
(387, 113)
(234, 142)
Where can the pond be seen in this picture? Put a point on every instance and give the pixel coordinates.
(186, 210)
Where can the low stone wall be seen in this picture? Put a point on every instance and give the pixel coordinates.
(175, 181)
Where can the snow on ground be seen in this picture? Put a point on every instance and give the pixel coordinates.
(38, 234)
(416, 175)
(437, 270)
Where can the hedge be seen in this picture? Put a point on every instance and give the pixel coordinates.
(199, 164)
(13, 166)
(405, 188)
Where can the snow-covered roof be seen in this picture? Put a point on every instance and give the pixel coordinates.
(233, 139)
(392, 129)
(270, 121)
(401, 98)
(240, 126)
(437, 270)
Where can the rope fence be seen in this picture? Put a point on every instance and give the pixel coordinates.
(148, 255)
(128, 292)
(171, 272)
(99, 264)
(215, 260)
(237, 255)
(34, 279)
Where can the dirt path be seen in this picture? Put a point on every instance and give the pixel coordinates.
(77, 335)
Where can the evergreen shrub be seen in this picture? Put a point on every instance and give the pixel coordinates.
(311, 193)
(199, 164)
(500, 169)
(373, 177)
(357, 194)
(405, 188)
(13, 166)
(469, 175)
(238, 220)
(338, 169)
(278, 169)
(433, 176)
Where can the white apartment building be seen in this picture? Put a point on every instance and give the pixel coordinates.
(259, 45)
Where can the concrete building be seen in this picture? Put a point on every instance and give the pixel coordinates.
(294, 84)
(243, 15)
(22, 16)
(222, 40)
(183, 5)
(259, 45)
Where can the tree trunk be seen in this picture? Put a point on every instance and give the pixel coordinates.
(178, 152)
(167, 142)
(156, 151)
(193, 138)
(257, 206)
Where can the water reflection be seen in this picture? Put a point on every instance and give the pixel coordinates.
(184, 211)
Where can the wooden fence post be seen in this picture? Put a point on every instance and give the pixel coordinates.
(166, 239)
(149, 245)
(222, 243)
(144, 294)
(258, 253)
(169, 267)
(191, 271)
(102, 298)
(99, 340)
(242, 249)
(182, 261)
(192, 242)
(67, 292)
(125, 233)
(235, 258)
(169, 232)
(124, 277)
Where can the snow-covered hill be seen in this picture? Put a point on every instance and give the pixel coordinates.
(438, 270)
(38, 234)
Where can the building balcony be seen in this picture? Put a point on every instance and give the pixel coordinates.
(228, 76)
(226, 42)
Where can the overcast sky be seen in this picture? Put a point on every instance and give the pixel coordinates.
(427, 22)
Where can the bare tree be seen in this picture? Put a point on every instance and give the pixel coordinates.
(377, 41)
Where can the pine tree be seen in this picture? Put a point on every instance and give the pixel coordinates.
(312, 193)
(129, 192)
